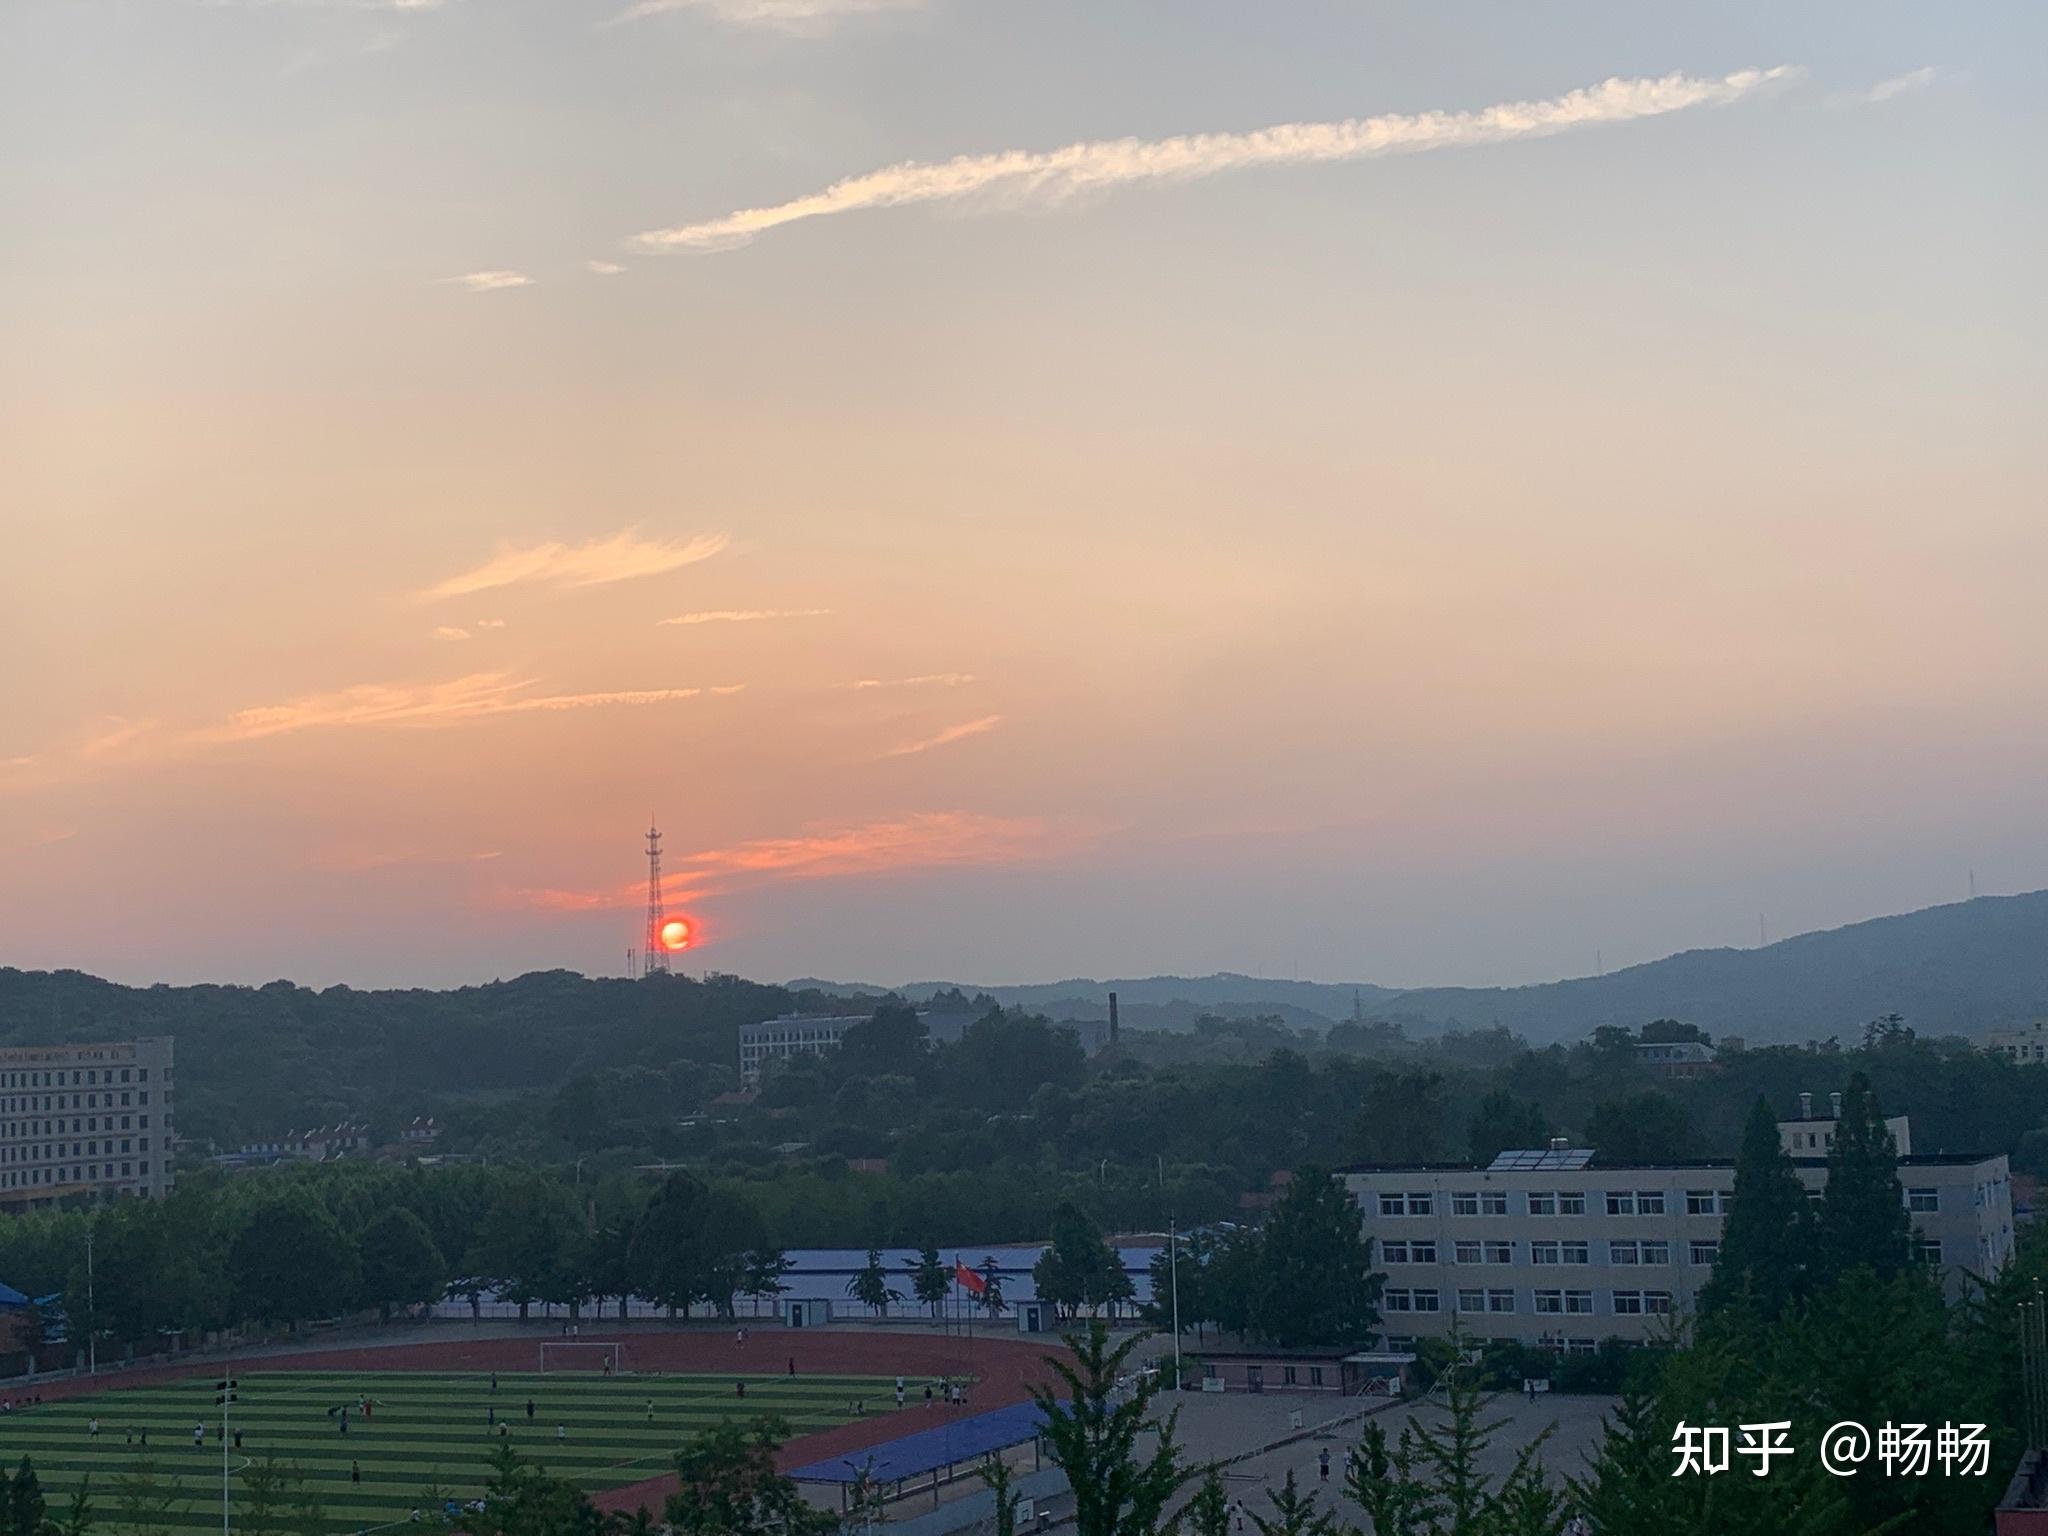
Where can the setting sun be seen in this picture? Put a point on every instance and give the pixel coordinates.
(675, 934)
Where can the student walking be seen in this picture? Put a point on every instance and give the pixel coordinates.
(355, 1473)
(1323, 1465)
(93, 1429)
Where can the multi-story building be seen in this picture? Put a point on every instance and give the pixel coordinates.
(1677, 1058)
(2028, 1043)
(1552, 1248)
(85, 1120)
(795, 1034)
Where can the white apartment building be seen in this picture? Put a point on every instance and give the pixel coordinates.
(2029, 1043)
(91, 1120)
(1552, 1249)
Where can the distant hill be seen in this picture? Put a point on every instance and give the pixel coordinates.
(1961, 969)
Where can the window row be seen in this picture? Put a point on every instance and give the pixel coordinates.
(1564, 1202)
(1545, 1251)
(1549, 1303)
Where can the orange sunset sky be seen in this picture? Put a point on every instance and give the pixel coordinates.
(1398, 492)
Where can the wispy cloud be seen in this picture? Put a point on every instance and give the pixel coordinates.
(1023, 178)
(744, 615)
(476, 696)
(449, 632)
(604, 268)
(934, 839)
(947, 737)
(923, 680)
(490, 623)
(622, 557)
(788, 15)
(1886, 90)
(490, 282)
(118, 735)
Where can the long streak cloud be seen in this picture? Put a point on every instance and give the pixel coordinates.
(1022, 178)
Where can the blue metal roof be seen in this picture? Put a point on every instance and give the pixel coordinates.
(10, 1297)
(929, 1449)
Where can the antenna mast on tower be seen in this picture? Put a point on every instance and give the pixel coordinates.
(655, 954)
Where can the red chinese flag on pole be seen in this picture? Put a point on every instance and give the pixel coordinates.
(968, 1280)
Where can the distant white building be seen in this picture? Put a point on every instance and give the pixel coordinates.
(2028, 1043)
(85, 1120)
(819, 1034)
(1812, 1135)
(1676, 1058)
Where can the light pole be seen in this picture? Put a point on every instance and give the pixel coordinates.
(1173, 1274)
(224, 1394)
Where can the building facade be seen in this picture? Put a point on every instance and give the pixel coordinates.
(85, 1120)
(798, 1034)
(2029, 1043)
(1552, 1249)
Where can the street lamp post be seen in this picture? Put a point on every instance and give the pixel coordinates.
(1173, 1277)
(92, 1316)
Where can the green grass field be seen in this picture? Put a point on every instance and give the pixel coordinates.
(425, 1428)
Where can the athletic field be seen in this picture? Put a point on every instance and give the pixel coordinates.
(424, 1428)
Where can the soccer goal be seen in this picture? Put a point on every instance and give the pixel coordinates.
(576, 1356)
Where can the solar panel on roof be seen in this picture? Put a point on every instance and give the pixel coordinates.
(1531, 1159)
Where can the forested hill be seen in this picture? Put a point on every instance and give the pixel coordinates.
(261, 1060)
(1961, 969)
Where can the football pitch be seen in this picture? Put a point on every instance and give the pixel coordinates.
(424, 1429)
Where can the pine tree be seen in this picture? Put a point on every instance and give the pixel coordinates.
(1294, 1513)
(1208, 1512)
(1863, 1218)
(1767, 1241)
(930, 1278)
(1316, 1285)
(1091, 1434)
(23, 1501)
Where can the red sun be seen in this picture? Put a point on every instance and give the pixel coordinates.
(675, 934)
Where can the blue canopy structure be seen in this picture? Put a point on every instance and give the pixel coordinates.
(930, 1449)
(10, 1297)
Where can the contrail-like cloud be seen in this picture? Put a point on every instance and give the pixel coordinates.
(1016, 178)
(947, 737)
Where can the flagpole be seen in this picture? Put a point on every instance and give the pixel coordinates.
(1173, 1271)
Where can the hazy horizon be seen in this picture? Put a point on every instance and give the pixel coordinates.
(1412, 494)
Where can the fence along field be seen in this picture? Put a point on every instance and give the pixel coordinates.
(424, 1429)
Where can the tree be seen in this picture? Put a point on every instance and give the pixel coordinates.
(662, 1259)
(1863, 1216)
(1401, 1117)
(1503, 1121)
(1766, 1242)
(1647, 1127)
(1208, 1512)
(266, 1498)
(144, 1504)
(523, 1500)
(1294, 1513)
(764, 1271)
(870, 1285)
(24, 1503)
(991, 1298)
(729, 1486)
(402, 1267)
(890, 1042)
(1091, 1434)
(930, 1278)
(996, 1474)
(291, 1261)
(1316, 1284)
(1079, 1268)
(729, 1229)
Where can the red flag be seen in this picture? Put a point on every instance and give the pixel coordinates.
(968, 1280)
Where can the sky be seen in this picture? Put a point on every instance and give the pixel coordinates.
(1417, 493)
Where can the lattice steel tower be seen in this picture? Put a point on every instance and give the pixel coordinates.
(654, 951)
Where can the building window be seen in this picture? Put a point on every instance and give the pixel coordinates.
(1628, 1303)
(1287, 1375)
(1699, 1202)
(1930, 1250)
(1543, 1253)
(1500, 1253)
(1579, 1303)
(1623, 1253)
(1395, 1301)
(1393, 1205)
(1471, 1301)
(1493, 1202)
(1580, 1346)
(1657, 1302)
(1422, 1253)
(1577, 1253)
(1656, 1253)
(1542, 1203)
(1428, 1301)
(1705, 1252)
(1649, 1202)
(1465, 1253)
(1549, 1301)
(1621, 1202)
(1464, 1203)
(1500, 1301)
(1923, 1199)
(1419, 1204)
(1393, 1253)
(1571, 1202)
(1315, 1375)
